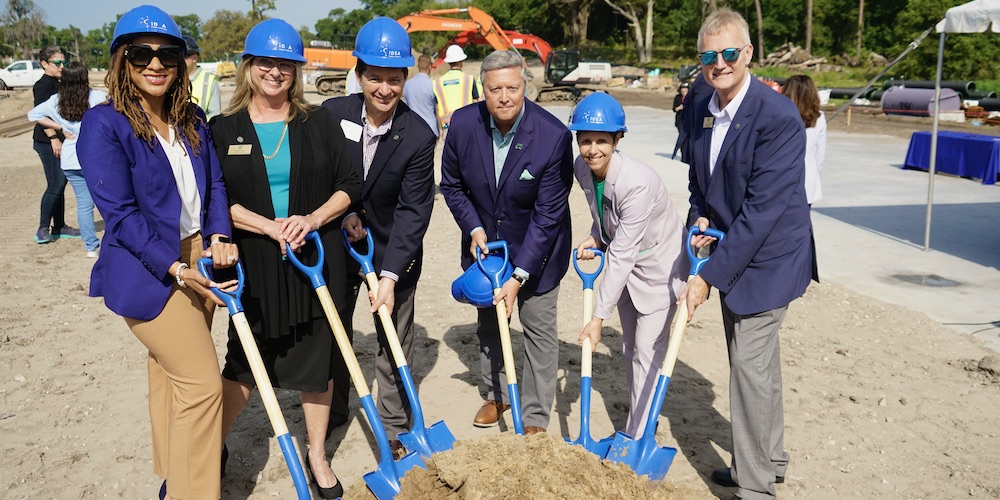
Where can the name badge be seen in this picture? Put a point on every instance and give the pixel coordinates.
(709, 122)
(352, 131)
(240, 149)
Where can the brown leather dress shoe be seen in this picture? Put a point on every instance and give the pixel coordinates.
(398, 450)
(531, 429)
(489, 414)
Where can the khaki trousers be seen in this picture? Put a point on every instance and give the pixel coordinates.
(185, 390)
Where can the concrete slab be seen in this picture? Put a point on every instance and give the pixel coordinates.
(870, 224)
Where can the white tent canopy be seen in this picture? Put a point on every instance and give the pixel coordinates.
(973, 17)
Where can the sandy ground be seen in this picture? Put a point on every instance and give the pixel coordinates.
(880, 400)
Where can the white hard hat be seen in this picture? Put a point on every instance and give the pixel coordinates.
(454, 54)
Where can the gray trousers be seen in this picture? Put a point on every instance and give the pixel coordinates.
(392, 403)
(537, 379)
(755, 400)
(644, 341)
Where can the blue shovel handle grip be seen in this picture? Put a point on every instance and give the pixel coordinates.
(315, 271)
(696, 262)
(365, 259)
(494, 277)
(231, 299)
(589, 278)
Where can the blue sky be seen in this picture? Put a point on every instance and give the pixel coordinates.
(91, 14)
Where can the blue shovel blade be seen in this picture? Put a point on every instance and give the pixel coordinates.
(384, 481)
(425, 442)
(598, 447)
(642, 455)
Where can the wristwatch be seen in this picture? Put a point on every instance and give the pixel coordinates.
(222, 239)
(520, 279)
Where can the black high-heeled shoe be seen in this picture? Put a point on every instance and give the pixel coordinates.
(331, 493)
(163, 490)
(225, 458)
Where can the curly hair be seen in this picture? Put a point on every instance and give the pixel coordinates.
(245, 88)
(74, 91)
(802, 91)
(124, 96)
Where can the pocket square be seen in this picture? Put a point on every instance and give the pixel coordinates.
(526, 176)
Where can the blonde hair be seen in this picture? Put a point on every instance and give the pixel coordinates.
(124, 96)
(245, 90)
(721, 19)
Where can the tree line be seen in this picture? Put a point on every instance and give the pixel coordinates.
(652, 33)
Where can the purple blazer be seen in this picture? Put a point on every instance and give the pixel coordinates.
(756, 195)
(133, 187)
(529, 208)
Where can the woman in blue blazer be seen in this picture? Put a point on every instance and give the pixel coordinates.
(148, 160)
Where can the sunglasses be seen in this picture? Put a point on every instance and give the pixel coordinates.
(170, 56)
(266, 64)
(730, 55)
(58, 62)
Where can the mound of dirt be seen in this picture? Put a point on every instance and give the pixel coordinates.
(512, 466)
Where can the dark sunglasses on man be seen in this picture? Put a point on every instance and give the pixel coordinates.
(730, 55)
(170, 56)
(57, 62)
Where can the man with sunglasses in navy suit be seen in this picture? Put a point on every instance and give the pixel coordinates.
(746, 151)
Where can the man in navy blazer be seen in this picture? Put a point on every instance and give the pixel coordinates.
(392, 149)
(746, 179)
(506, 172)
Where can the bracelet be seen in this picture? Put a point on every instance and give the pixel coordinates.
(180, 280)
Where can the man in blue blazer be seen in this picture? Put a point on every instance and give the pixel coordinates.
(392, 150)
(506, 172)
(746, 179)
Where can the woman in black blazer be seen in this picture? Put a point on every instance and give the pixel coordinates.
(288, 172)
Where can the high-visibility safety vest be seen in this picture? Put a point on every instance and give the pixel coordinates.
(202, 87)
(453, 90)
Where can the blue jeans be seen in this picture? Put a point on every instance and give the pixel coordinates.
(53, 206)
(84, 209)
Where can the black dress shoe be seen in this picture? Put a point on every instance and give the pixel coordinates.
(335, 491)
(163, 490)
(724, 477)
(225, 458)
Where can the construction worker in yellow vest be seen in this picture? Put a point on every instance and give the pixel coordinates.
(204, 85)
(455, 89)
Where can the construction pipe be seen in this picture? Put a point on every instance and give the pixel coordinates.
(842, 93)
(981, 95)
(963, 88)
(990, 104)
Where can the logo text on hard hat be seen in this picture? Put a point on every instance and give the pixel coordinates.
(156, 25)
(386, 52)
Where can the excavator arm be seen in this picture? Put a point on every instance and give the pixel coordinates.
(480, 29)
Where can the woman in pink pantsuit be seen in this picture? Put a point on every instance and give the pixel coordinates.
(642, 237)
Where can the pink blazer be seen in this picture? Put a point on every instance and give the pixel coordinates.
(644, 249)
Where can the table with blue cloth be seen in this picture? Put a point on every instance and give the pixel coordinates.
(967, 155)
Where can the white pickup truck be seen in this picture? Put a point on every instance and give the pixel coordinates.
(20, 74)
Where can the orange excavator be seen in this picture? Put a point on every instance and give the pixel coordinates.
(563, 68)
(480, 29)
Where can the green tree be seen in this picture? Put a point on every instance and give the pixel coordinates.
(340, 27)
(963, 53)
(190, 25)
(23, 27)
(223, 34)
(258, 8)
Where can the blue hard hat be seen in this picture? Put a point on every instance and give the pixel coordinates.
(474, 287)
(274, 38)
(145, 20)
(383, 42)
(598, 112)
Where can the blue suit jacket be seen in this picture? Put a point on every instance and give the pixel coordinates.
(133, 187)
(757, 197)
(529, 207)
